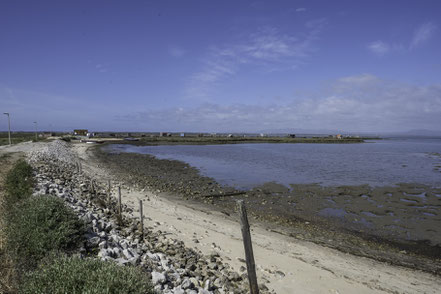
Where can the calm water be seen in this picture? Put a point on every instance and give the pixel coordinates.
(378, 163)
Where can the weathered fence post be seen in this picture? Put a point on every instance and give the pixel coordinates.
(92, 186)
(119, 201)
(109, 190)
(248, 246)
(141, 216)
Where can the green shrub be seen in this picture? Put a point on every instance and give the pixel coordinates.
(19, 182)
(38, 225)
(74, 275)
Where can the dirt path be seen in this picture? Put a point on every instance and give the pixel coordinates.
(286, 265)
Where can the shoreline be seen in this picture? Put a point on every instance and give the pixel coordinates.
(193, 140)
(285, 264)
(186, 184)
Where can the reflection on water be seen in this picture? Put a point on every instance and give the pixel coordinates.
(380, 163)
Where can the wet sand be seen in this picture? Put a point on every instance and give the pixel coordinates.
(399, 225)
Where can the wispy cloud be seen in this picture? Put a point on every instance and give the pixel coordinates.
(101, 68)
(267, 48)
(355, 103)
(176, 51)
(301, 9)
(379, 47)
(422, 34)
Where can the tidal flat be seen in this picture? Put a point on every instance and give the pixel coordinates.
(397, 224)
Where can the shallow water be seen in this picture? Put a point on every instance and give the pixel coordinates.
(377, 163)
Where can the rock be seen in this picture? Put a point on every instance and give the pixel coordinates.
(178, 290)
(186, 283)
(212, 266)
(158, 278)
(194, 281)
(127, 253)
(233, 276)
(94, 241)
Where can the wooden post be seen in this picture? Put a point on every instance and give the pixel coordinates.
(248, 246)
(119, 201)
(109, 189)
(141, 217)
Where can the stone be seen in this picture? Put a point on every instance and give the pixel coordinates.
(178, 290)
(186, 283)
(158, 278)
(127, 253)
(94, 241)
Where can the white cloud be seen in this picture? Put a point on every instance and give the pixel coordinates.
(301, 9)
(355, 103)
(379, 47)
(176, 51)
(422, 34)
(267, 48)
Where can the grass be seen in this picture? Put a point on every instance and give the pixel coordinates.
(19, 182)
(18, 137)
(37, 235)
(38, 225)
(74, 275)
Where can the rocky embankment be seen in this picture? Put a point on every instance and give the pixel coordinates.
(173, 267)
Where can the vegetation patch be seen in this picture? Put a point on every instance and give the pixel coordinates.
(38, 225)
(18, 183)
(74, 275)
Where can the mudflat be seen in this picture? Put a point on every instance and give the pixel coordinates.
(399, 225)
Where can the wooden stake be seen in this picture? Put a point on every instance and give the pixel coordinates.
(248, 246)
(119, 201)
(141, 217)
(109, 190)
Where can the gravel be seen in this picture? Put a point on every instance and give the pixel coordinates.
(173, 267)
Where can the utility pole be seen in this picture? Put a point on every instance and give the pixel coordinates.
(36, 138)
(9, 127)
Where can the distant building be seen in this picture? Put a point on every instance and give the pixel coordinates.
(339, 136)
(292, 135)
(80, 132)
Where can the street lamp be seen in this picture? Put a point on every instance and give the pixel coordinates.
(9, 126)
(35, 130)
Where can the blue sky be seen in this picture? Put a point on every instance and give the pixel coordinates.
(219, 66)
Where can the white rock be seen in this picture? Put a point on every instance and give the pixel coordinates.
(158, 278)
